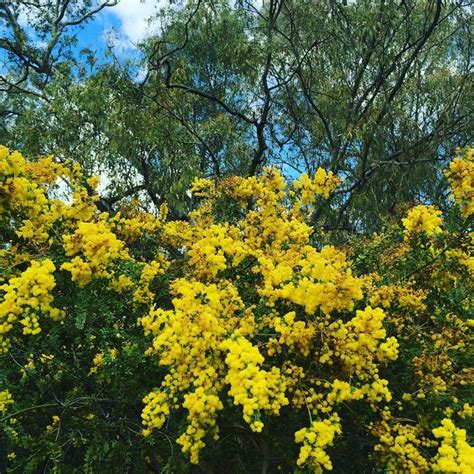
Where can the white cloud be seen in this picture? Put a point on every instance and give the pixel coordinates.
(133, 16)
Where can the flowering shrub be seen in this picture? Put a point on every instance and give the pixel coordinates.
(240, 335)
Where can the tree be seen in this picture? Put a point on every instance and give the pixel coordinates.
(363, 88)
(235, 341)
(377, 92)
(36, 39)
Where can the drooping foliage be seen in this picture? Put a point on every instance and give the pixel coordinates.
(378, 92)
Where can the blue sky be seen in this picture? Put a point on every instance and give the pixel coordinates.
(124, 25)
(128, 19)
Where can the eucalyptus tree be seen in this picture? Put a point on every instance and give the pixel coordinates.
(378, 92)
(36, 37)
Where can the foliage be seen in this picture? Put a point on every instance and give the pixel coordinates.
(37, 39)
(379, 93)
(240, 336)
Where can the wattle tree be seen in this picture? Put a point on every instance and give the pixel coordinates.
(235, 340)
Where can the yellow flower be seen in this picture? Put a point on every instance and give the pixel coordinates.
(5, 400)
(454, 453)
(28, 296)
(319, 436)
(98, 246)
(323, 183)
(460, 175)
(54, 425)
(426, 219)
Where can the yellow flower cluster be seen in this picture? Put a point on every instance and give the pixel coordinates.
(422, 219)
(277, 239)
(362, 344)
(23, 196)
(322, 184)
(460, 174)
(435, 366)
(82, 207)
(202, 405)
(208, 339)
(383, 296)
(5, 400)
(401, 447)
(45, 170)
(454, 454)
(403, 297)
(258, 315)
(89, 238)
(207, 252)
(465, 254)
(432, 371)
(11, 164)
(188, 340)
(316, 439)
(143, 294)
(202, 187)
(97, 245)
(155, 412)
(324, 281)
(131, 224)
(54, 424)
(121, 284)
(237, 188)
(467, 411)
(296, 335)
(250, 386)
(25, 298)
(341, 391)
